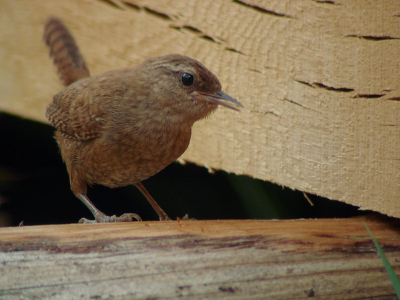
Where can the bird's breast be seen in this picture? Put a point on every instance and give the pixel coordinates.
(136, 156)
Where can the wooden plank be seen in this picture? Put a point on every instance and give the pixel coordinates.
(232, 259)
(318, 79)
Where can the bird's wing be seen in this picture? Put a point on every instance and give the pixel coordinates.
(77, 112)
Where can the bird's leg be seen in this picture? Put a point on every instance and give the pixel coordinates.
(161, 214)
(100, 217)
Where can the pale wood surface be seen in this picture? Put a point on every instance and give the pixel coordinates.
(319, 81)
(232, 259)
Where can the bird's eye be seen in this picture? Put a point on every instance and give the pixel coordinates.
(187, 79)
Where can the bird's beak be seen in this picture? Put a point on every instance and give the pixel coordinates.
(221, 99)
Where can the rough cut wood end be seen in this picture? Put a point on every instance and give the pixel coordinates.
(319, 81)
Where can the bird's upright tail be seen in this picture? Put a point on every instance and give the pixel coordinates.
(64, 51)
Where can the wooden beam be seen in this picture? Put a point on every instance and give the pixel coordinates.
(230, 259)
(319, 81)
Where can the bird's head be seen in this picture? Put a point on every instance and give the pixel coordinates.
(185, 87)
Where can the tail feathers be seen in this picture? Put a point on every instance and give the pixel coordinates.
(64, 51)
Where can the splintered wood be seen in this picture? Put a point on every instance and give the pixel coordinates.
(319, 81)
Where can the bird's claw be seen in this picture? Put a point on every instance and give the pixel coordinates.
(107, 219)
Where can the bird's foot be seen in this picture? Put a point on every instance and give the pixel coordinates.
(186, 218)
(165, 217)
(102, 218)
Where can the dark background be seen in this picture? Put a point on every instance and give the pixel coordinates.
(34, 188)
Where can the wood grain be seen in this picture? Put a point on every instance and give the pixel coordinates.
(318, 79)
(232, 259)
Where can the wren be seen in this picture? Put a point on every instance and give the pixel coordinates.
(122, 127)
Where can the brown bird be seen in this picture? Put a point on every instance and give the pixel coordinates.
(121, 127)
